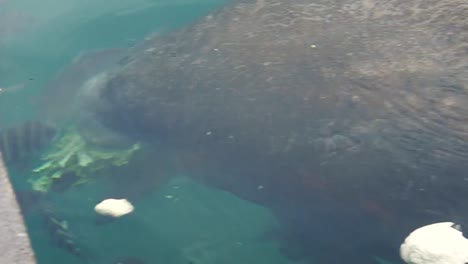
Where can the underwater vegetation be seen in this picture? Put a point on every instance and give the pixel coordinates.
(21, 141)
(72, 161)
(55, 160)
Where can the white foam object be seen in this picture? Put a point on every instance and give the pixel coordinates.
(439, 243)
(114, 207)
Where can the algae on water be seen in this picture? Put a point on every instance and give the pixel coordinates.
(72, 155)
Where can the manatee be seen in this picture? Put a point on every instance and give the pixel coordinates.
(348, 118)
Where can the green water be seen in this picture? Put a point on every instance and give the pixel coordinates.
(181, 222)
(38, 38)
(178, 222)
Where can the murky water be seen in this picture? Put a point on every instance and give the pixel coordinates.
(38, 39)
(219, 132)
(176, 220)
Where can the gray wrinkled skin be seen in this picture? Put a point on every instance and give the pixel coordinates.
(369, 96)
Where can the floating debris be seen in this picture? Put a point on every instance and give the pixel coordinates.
(110, 210)
(443, 242)
(19, 142)
(114, 207)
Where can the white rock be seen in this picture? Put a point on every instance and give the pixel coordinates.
(114, 207)
(439, 243)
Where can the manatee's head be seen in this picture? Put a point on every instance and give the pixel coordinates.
(86, 114)
(112, 108)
